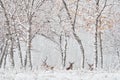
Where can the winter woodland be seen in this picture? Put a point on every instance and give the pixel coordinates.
(60, 35)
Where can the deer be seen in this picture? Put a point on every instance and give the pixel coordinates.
(46, 66)
(70, 66)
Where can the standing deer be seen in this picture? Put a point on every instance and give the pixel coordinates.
(70, 66)
(46, 66)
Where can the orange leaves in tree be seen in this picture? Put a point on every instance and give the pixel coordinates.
(105, 23)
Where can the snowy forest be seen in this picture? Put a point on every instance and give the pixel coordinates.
(63, 35)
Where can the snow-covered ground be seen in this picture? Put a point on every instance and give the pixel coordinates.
(57, 75)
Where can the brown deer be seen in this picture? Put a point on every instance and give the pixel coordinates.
(46, 66)
(70, 66)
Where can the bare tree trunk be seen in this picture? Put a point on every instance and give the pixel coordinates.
(1, 46)
(25, 61)
(28, 52)
(61, 50)
(96, 44)
(118, 54)
(6, 54)
(97, 25)
(19, 46)
(3, 52)
(82, 49)
(101, 48)
(20, 52)
(65, 52)
(74, 33)
(12, 53)
(96, 34)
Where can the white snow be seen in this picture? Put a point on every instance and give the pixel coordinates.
(57, 75)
